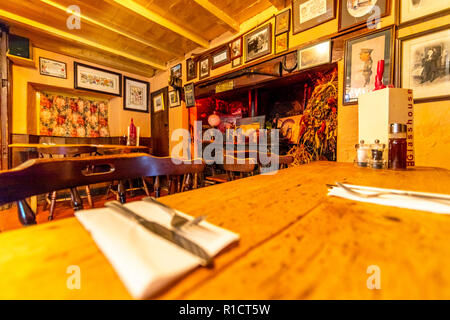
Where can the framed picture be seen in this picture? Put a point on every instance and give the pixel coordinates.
(158, 102)
(204, 68)
(236, 48)
(191, 69)
(136, 95)
(282, 22)
(52, 68)
(97, 80)
(362, 54)
(425, 64)
(175, 71)
(357, 12)
(174, 98)
(221, 57)
(281, 43)
(189, 95)
(258, 43)
(412, 11)
(236, 62)
(314, 55)
(307, 14)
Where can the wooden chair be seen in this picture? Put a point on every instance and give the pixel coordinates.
(192, 178)
(242, 167)
(41, 176)
(67, 151)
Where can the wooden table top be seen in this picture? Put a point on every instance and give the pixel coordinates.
(103, 146)
(296, 243)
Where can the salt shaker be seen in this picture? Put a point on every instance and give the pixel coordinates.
(362, 154)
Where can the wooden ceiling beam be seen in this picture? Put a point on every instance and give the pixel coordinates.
(229, 21)
(112, 29)
(156, 18)
(279, 4)
(68, 36)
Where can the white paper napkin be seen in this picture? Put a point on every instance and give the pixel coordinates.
(144, 261)
(401, 201)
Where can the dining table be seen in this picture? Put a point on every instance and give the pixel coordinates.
(296, 242)
(100, 147)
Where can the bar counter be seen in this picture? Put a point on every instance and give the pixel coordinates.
(296, 243)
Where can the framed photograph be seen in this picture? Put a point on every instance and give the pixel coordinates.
(307, 14)
(412, 11)
(357, 12)
(281, 43)
(221, 57)
(258, 43)
(136, 95)
(236, 62)
(189, 95)
(236, 48)
(52, 68)
(158, 102)
(175, 71)
(97, 80)
(362, 54)
(314, 55)
(204, 67)
(425, 64)
(191, 69)
(174, 98)
(282, 22)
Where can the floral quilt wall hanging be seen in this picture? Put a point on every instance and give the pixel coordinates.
(68, 116)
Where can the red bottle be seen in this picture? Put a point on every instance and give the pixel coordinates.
(133, 134)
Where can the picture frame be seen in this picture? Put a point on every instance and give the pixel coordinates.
(414, 11)
(361, 56)
(258, 43)
(352, 14)
(314, 55)
(158, 101)
(191, 69)
(95, 79)
(189, 95)
(236, 48)
(423, 66)
(176, 71)
(283, 22)
(220, 57)
(307, 14)
(282, 43)
(174, 98)
(52, 68)
(204, 66)
(236, 62)
(136, 95)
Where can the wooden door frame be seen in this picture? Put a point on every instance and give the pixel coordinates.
(4, 100)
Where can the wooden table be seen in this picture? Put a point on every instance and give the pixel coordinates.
(98, 146)
(296, 243)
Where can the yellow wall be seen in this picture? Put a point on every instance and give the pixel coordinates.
(119, 119)
(431, 122)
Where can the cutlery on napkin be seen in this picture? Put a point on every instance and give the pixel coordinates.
(145, 261)
(432, 202)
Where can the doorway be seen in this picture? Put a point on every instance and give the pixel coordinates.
(160, 122)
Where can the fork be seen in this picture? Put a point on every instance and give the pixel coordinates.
(177, 220)
(377, 194)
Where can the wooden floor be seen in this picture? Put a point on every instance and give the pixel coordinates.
(10, 221)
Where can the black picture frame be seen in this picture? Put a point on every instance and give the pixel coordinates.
(388, 75)
(177, 74)
(125, 94)
(178, 102)
(200, 74)
(297, 27)
(287, 15)
(268, 29)
(347, 21)
(77, 86)
(223, 50)
(191, 69)
(189, 95)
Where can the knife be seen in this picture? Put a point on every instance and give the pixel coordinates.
(164, 232)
